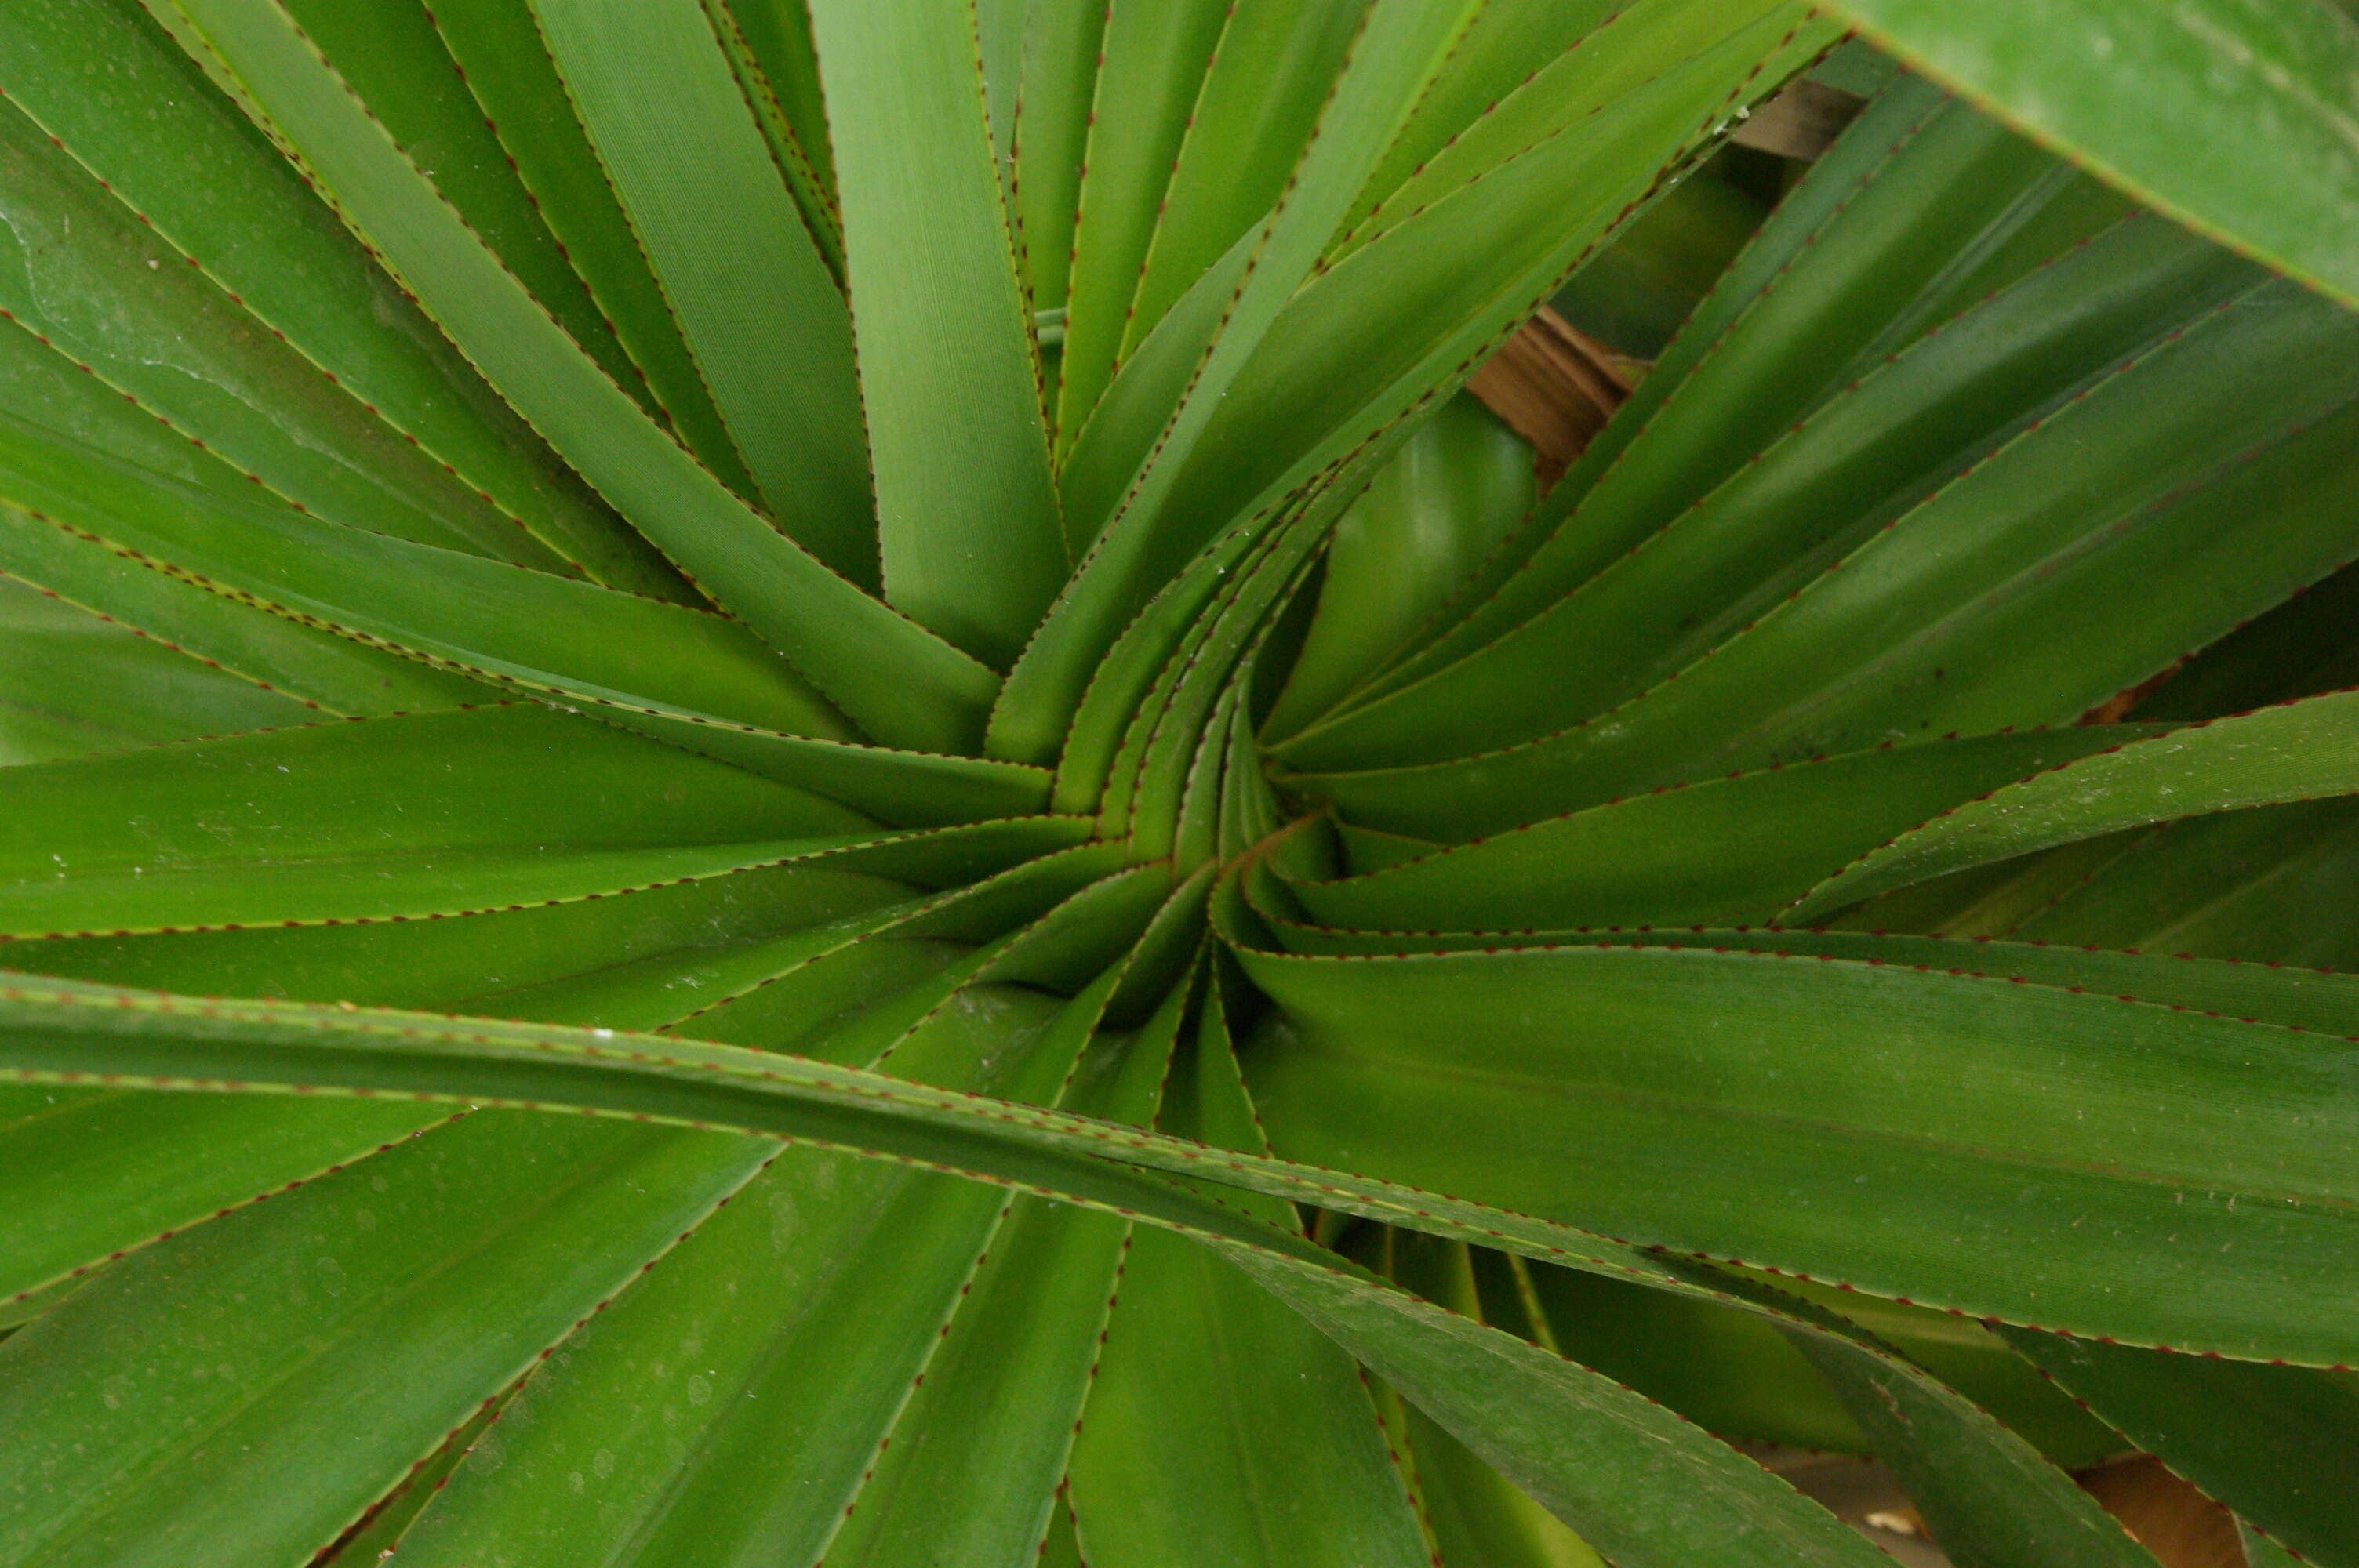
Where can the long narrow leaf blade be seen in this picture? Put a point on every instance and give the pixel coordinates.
(899, 683)
(751, 294)
(967, 514)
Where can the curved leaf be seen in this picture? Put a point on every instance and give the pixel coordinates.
(1566, 1437)
(2297, 752)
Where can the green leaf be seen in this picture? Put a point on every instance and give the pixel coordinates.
(99, 1173)
(95, 286)
(1139, 663)
(1396, 49)
(790, 133)
(1920, 207)
(684, 675)
(1209, 1395)
(1645, 1091)
(1457, 488)
(1622, 54)
(1584, 1446)
(2107, 486)
(1477, 1515)
(367, 1545)
(971, 1468)
(1721, 852)
(1638, 290)
(314, 667)
(2273, 79)
(1153, 60)
(1261, 94)
(1726, 1367)
(586, 959)
(2296, 752)
(133, 110)
(360, 1321)
(72, 683)
(1141, 792)
(1372, 337)
(1051, 132)
(1567, 1444)
(456, 610)
(497, 46)
(753, 1371)
(2260, 1552)
(1693, 580)
(902, 685)
(966, 511)
(752, 295)
(281, 826)
(1502, 45)
(2270, 1442)
(1992, 1500)
(809, 1307)
(391, 58)
(2261, 884)
(1448, 799)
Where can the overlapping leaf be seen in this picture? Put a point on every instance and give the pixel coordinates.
(815, 514)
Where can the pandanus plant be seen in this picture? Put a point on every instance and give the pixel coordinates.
(791, 785)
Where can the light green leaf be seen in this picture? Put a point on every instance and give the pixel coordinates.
(778, 32)
(1050, 135)
(391, 58)
(360, 1321)
(314, 667)
(133, 110)
(500, 807)
(72, 683)
(2275, 80)
(748, 286)
(966, 511)
(94, 285)
(1152, 60)
(497, 46)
